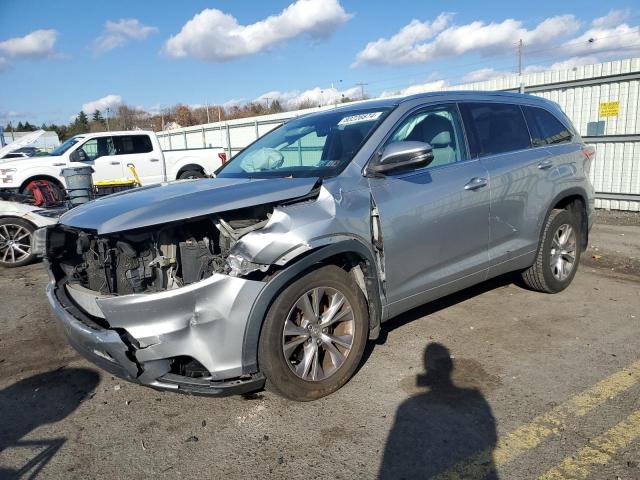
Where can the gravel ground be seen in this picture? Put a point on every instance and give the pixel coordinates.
(499, 357)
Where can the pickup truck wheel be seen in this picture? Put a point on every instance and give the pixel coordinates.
(57, 191)
(314, 335)
(191, 174)
(15, 242)
(558, 254)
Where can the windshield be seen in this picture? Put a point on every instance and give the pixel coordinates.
(314, 146)
(60, 149)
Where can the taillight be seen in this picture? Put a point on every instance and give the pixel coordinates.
(223, 157)
(589, 153)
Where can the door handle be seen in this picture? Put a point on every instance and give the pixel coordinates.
(154, 160)
(59, 164)
(544, 164)
(115, 163)
(475, 183)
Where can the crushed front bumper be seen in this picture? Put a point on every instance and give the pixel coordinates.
(136, 337)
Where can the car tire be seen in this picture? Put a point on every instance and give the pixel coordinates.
(553, 269)
(296, 372)
(190, 174)
(57, 191)
(15, 242)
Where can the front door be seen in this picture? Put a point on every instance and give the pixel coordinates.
(100, 153)
(434, 220)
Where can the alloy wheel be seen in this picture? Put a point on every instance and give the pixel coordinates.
(563, 252)
(318, 334)
(15, 243)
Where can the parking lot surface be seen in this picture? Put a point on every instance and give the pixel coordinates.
(494, 381)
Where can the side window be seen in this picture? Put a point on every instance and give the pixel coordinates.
(438, 126)
(131, 144)
(495, 128)
(545, 128)
(98, 147)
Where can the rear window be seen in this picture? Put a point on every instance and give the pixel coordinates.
(494, 128)
(130, 144)
(545, 128)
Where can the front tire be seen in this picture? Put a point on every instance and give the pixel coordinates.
(15, 242)
(314, 335)
(558, 254)
(190, 174)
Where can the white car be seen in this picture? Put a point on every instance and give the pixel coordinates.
(109, 153)
(18, 221)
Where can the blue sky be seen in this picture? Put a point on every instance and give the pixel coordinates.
(56, 57)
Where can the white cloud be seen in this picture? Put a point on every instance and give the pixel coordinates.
(213, 35)
(37, 44)
(110, 101)
(403, 44)
(483, 74)
(620, 41)
(430, 86)
(423, 42)
(611, 19)
(316, 96)
(117, 34)
(4, 64)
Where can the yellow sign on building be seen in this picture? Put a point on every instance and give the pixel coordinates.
(610, 109)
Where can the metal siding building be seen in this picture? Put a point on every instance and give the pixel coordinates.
(580, 91)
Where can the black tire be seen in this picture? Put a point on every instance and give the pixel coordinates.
(12, 229)
(191, 174)
(271, 357)
(540, 276)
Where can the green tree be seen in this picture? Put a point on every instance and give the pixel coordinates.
(276, 107)
(19, 127)
(97, 117)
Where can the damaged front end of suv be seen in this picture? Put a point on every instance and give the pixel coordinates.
(169, 305)
(187, 286)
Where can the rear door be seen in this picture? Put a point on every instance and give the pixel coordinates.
(434, 220)
(499, 137)
(137, 150)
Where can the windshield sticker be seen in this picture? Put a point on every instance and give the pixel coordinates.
(362, 117)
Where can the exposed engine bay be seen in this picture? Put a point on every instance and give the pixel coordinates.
(153, 259)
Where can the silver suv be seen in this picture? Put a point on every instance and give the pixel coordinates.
(280, 268)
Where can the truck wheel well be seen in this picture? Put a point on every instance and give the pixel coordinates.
(190, 167)
(53, 180)
(576, 205)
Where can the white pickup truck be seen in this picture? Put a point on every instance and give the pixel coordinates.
(109, 153)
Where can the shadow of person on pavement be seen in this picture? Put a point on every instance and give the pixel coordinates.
(437, 429)
(35, 401)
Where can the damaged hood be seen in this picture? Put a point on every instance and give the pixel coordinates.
(181, 200)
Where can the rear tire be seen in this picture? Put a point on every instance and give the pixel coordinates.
(15, 242)
(558, 254)
(191, 174)
(313, 357)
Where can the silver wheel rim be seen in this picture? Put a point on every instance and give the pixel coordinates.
(318, 334)
(563, 252)
(15, 243)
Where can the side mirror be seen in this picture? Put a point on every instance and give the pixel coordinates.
(399, 156)
(77, 156)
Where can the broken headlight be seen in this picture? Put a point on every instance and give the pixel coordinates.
(240, 266)
(39, 242)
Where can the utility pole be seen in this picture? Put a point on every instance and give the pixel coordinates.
(206, 105)
(520, 52)
(266, 99)
(107, 118)
(520, 57)
(361, 85)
